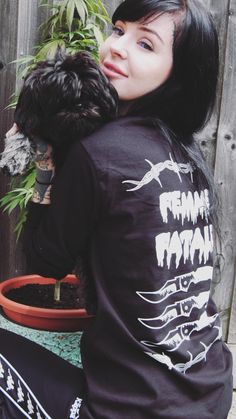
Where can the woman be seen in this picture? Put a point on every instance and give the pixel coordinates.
(136, 196)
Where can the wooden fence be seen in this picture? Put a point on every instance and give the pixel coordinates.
(19, 20)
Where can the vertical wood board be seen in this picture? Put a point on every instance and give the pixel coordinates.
(19, 23)
(208, 136)
(8, 46)
(225, 175)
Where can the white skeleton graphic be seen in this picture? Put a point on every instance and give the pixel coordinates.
(156, 169)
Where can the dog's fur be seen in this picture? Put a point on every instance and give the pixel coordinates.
(62, 100)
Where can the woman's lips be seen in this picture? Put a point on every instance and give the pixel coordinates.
(112, 70)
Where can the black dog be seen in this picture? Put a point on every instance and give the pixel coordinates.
(62, 100)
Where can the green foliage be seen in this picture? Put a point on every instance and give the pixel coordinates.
(21, 191)
(74, 25)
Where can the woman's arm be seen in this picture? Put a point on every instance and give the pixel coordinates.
(56, 234)
(45, 170)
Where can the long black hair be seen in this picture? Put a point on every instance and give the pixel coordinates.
(184, 103)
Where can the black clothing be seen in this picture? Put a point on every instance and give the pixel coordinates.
(154, 351)
(43, 385)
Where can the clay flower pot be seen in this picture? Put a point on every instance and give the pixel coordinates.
(42, 318)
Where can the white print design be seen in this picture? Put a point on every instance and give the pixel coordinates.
(28, 407)
(156, 169)
(184, 245)
(10, 382)
(179, 309)
(38, 414)
(178, 284)
(183, 332)
(183, 367)
(20, 393)
(75, 409)
(1, 370)
(188, 206)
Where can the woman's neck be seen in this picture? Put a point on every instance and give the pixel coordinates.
(124, 107)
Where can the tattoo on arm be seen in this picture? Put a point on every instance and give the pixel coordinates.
(41, 194)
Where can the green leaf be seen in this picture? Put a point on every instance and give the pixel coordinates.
(98, 35)
(62, 9)
(81, 9)
(49, 50)
(70, 13)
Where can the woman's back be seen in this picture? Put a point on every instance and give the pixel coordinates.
(156, 330)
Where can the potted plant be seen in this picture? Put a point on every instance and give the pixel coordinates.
(27, 288)
(74, 25)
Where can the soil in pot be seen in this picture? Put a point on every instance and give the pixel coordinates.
(37, 295)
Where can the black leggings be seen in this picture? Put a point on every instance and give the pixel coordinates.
(35, 383)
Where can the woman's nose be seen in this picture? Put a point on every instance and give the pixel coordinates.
(118, 48)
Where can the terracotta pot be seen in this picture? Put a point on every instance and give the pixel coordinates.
(42, 318)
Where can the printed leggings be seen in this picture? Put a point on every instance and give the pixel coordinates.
(35, 383)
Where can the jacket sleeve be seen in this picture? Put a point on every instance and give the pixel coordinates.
(55, 234)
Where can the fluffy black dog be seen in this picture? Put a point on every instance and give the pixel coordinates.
(62, 100)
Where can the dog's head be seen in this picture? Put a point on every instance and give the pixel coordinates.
(64, 99)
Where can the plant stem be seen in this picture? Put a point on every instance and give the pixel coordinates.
(57, 291)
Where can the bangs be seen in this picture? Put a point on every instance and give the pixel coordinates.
(145, 10)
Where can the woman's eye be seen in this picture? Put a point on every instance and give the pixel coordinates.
(145, 45)
(117, 31)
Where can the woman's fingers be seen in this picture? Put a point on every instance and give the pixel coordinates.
(14, 129)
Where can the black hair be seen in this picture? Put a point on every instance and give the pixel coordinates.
(63, 99)
(184, 103)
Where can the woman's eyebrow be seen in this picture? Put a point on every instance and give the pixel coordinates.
(145, 29)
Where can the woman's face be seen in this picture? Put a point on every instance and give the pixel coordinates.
(138, 58)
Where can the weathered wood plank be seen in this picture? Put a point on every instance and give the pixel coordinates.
(232, 323)
(208, 137)
(232, 348)
(8, 42)
(225, 176)
(19, 22)
(232, 413)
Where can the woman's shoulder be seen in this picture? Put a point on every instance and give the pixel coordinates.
(123, 133)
